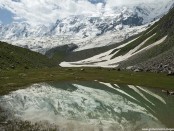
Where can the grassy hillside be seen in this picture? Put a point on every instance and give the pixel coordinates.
(13, 57)
(59, 53)
(160, 55)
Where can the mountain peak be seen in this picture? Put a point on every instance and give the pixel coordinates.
(120, 21)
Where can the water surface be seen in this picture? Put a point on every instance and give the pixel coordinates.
(90, 106)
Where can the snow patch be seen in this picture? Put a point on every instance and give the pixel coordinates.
(104, 59)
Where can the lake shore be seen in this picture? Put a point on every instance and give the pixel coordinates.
(16, 79)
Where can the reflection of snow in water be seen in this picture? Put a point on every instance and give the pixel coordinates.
(82, 109)
(121, 91)
(154, 95)
(141, 94)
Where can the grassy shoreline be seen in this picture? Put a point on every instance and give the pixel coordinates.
(16, 79)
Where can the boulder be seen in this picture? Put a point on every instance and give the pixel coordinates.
(12, 67)
(138, 70)
(82, 69)
(129, 68)
(170, 73)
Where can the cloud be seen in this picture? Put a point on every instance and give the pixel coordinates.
(132, 2)
(48, 11)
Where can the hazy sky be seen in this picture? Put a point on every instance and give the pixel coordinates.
(48, 11)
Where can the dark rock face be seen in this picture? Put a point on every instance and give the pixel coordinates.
(103, 28)
(77, 28)
(134, 20)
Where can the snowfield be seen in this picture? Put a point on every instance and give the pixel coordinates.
(105, 59)
(43, 44)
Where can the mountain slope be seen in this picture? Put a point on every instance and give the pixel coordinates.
(160, 57)
(12, 57)
(86, 31)
(60, 53)
(152, 50)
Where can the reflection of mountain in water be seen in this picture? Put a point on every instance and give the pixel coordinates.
(90, 106)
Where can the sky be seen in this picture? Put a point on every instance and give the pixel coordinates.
(48, 11)
(6, 16)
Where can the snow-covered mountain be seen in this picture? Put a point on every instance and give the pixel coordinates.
(87, 31)
(151, 50)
